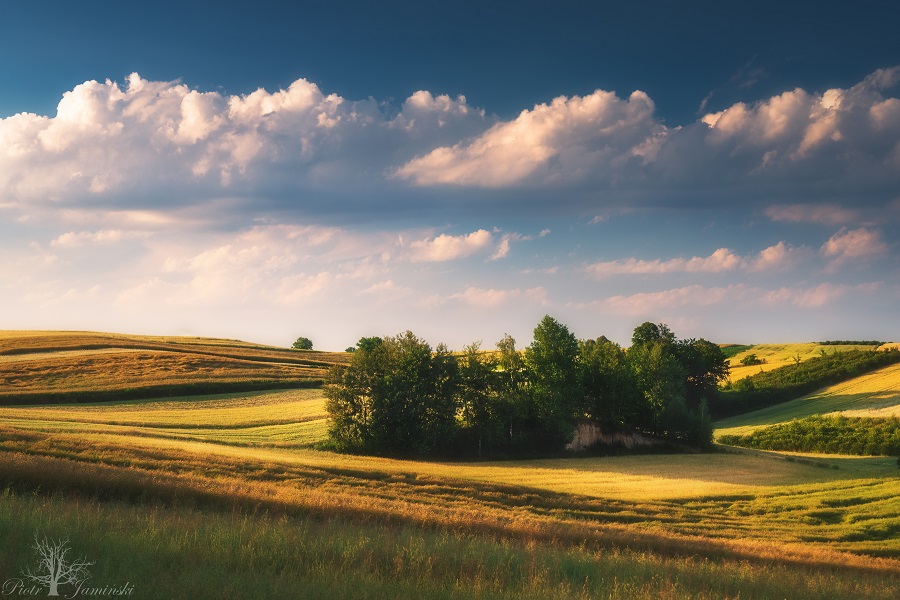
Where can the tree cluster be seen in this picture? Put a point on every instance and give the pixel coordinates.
(399, 396)
(831, 435)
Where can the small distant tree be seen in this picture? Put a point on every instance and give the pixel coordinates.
(751, 360)
(303, 343)
(350, 349)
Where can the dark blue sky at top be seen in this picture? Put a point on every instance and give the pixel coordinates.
(503, 56)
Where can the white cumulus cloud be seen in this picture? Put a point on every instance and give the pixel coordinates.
(450, 247)
(569, 137)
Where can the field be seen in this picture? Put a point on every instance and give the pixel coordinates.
(876, 394)
(227, 495)
(779, 355)
(78, 366)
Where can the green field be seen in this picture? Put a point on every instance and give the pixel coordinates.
(872, 395)
(779, 355)
(227, 495)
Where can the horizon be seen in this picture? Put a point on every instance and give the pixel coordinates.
(347, 171)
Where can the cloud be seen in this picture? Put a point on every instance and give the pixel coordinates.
(493, 298)
(151, 144)
(736, 296)
(449, 247)
(855, 244)
(77, 239)
(774, 258)
(825, 214)
(551, 143)
(722, 259)
(143, 147)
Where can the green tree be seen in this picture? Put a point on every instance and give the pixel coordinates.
(705, 368)
(552, 360)
(513, 400)
(478, 395)
(648, 332)
(351, 392)
(395, 396)
(610, 396)
(302, 343)
(660, 378)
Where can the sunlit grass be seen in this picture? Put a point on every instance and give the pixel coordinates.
(43, 366)
(780, 355)
(226, 496)
(866, 395)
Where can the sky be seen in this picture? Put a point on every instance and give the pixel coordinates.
(268, 170)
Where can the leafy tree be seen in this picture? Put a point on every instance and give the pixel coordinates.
(351, 393)
(478, 394)
(610, 396)
(552, 360)
(396, 396)
(369, 343)
(513, 401)
(648, 332)
(302, 343)
(751, 360)
(660, 378)
(705, 367)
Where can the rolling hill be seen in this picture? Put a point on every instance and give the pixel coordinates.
(40, 367)
(219, 487)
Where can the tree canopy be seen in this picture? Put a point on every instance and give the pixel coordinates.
(399, 396)
(302, 343)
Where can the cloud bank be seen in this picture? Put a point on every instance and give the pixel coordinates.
(162, 146)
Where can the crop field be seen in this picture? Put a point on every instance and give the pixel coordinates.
(47, 366)
(875, 394)
(229, 495)
(779, 355)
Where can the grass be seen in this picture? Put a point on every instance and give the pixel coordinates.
(871, 395)
(77, 366)
(226, 495)
(779, 355)
(182, 552)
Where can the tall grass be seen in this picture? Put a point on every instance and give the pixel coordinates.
(183, 552)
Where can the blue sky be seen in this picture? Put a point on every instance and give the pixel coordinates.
(342, 169)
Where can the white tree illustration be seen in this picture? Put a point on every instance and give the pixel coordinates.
(55, 568)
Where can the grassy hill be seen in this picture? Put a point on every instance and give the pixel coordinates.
(40, 367)
(226, 495)
(779, 355)
(875, 394)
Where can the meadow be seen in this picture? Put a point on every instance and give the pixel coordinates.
(875, 394)
(38, 367)
(779, 355)
(227, 495)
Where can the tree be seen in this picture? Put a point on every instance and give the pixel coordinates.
(610, 396)
(552, 360)
(351, 393)
(648, 332)
(513, 400)
(302, 343)
(395, 396)
(660, 378)
(55, 568)
(478, 394)
(705, 368)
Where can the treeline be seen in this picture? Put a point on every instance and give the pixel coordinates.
(398, 396)
(792, 381)
(853, 343)
(827, 435)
